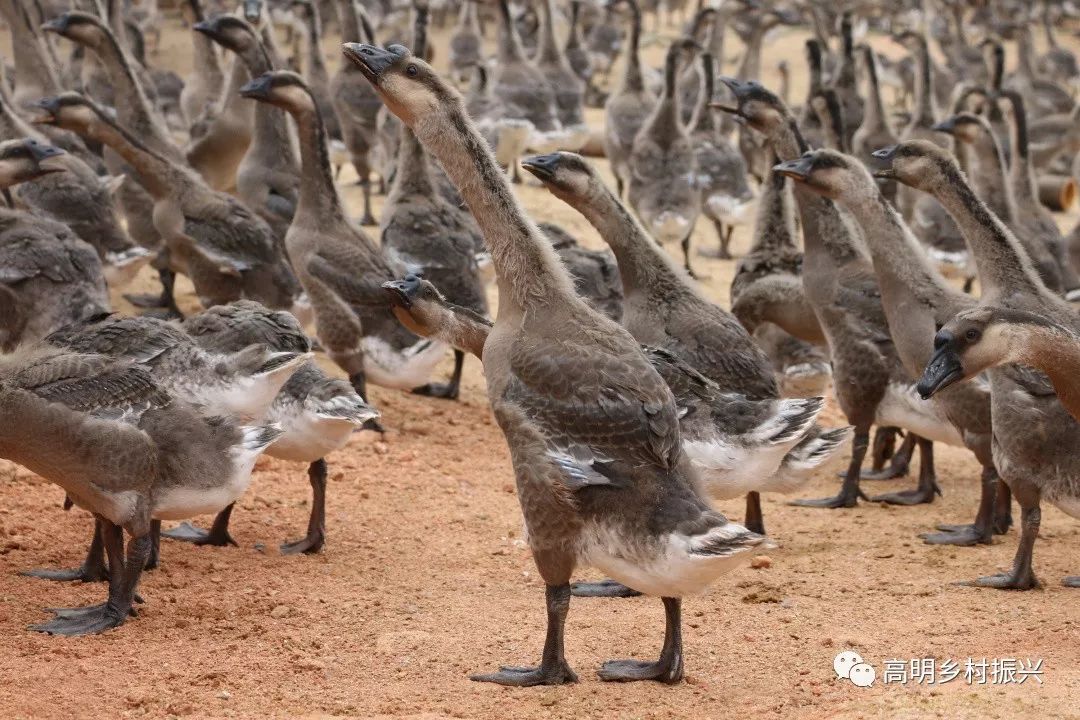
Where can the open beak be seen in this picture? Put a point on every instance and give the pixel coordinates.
(733, 85)
(542, 166)
(943, 370)
(257, 89)
(885, 156)
(402, 291)
(797, 169)
(372, 61)
(46, 112)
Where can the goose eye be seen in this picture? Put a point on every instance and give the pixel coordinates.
(972, 334)
(412, 71)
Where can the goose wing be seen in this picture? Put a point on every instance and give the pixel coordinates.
(91, 383)
(356, 280)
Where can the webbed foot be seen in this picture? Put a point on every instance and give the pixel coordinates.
(634, 670)
(83, 621)
(604, 588)
(186, 532)
(963, 535)
(557, 674)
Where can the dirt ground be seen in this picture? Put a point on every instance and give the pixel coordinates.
(425, 579)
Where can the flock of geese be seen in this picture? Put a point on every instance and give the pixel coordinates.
(629, 401)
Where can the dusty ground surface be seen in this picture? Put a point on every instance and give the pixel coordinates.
(425, 579)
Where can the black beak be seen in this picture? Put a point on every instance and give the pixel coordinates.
(542, 166)
(943, 370)
(797, 169)
(40, 151)
(58, 25)
(737, 88)
(206, 27)
(885, 156)
(373, 61)
(49, 107)
(252, 10)
(259, 88)
(946, 126)
(402, 291)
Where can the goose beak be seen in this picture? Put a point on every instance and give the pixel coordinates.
(735, 86)
(798, 169)
(542, 166)
(46, 114)
(943, 370)
(252, 10)
(946, 126)
(207, 28)
(257, 89)
(402, 291)
(885, 156)
(372, 61)
(58, 25)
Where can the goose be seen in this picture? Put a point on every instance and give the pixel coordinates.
(721, 171)
(567, 88)
(203, 89)
(663, 167)
(595, 273)
(1042, 96)
(1054, 138)
(872, 386)
(315, 71)
(613, 491)
(627, 109)
(763, 22)
(466, 42)
(1057, 63)
(124, 450)
(575, 51)
(988, 175)
(224, 247)
(845, 82)
(1034, 436)
(317, 413)
(356, 104)
(688, 80)
(136, 114)
(663, 309)
(604, 40)
(80, 199)
(268, 178)
(875, 131)
(339, 266)
(916, 299)
(48, 276)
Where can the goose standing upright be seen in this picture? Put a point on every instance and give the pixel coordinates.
(203, 89)
(601, 482)
(466, 42)
(315, 72)
(628, 107)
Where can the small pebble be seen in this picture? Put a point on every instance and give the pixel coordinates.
(280, 611)
(761, 562)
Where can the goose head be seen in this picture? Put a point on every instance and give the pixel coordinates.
(978, 339)
(416, 303)
(80, 27)
(917, 163)
(566, 174)
(966, 127)
(829, 173)
(280, 88)
(229, 31)
(755, 105)
(70, 111)
(411, 89)
(253, 11)
(26, 159)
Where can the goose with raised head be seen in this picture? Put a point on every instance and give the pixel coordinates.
(989, 177)
(1043, 96)
(1034, 436)
(845, 81)
(721, 171)
(600, 483)
(1057, 63)
(567, 88)
(875, 131)
(872, 386)
(317, 413)
(577, 55)
(627, 109)
(315, 71)
(124, 450)
(916, 299)
(466, 42)
(664, 309)
(205, 84)
(80, 199)
(662, 166)
(595, 272)
(340, 267)
(356, 103)
(763, 21)
(48, 276)
(226, 249)
(268, 178)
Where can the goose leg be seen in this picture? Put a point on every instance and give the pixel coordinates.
(553, 669)
(604, 588)
(1021, 576)
(92, 569)
(368, 218)
(155, 546)
(359, 382)
(669, 668)
(849, 491)
(619, 186)
(981, 532)
(122, 583)
(899, 461)
(166, 300)
(448, 391)
(755, 521)
(928, 486)
(1002, 508)
(316, 529)
(1072, 581)
(218, 536)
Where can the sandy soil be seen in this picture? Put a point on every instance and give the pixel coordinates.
(425, 579)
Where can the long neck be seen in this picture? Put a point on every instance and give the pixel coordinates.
(454, 325)
(645, 268)
(271, 133)
(549, 47)
(703, 114)
(36, 76)
(1002, 264)
(845, 73)
(1025, 55)
(510, 49)
(633, 79)
(205, 60)
(991, 179)
(774, 226)
(875, 116)
(12, 125)
(318, 194)
(528, 270)
(316, 63)
(750, 68)
(413, 175)
(156, 173)
(1021, 171)
(924, 88)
